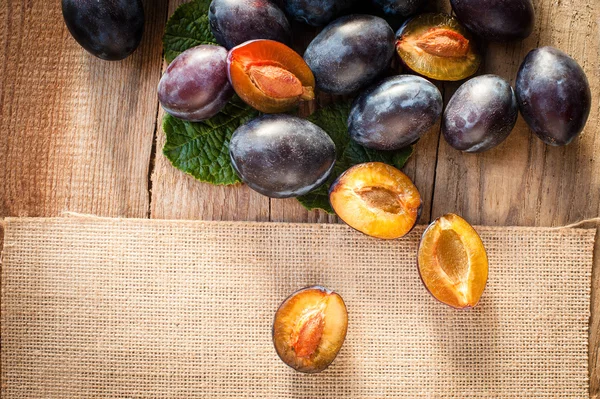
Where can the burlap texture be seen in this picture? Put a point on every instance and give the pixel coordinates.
(169, 309)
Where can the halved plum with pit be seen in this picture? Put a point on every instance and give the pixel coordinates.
(310, 328)
(438, 46)
(376, 199)
(270, 76)
(452, 262)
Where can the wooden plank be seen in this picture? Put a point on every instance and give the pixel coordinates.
(76, 131)
(523, 181)
(176, 195)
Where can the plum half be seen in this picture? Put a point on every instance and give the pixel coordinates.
(554, 95)
(481, 114)
(350, 53)
(395, 112)
(438, 46)
(269, 76)
(452, 262)
(376, 199)
(309, 329)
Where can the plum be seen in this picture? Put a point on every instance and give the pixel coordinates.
(234, 22)
(309, 329)
(402, 8)
(438, 46)
(109, 29)
(350, 53)
(554, 95)
(269, 75)
(376, 199)
(481, 114)
(452, 262)
(496, 20)
(195, 86)
(316, 12)
(394, 113)
(282, 156)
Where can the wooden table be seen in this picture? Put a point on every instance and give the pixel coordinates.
(83, 135)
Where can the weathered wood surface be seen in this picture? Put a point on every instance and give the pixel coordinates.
(79, 134)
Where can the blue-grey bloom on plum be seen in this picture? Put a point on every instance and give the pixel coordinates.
(350, 53)
(108, 29)
(402, 8)
(282, 156)
(316, 12)
(481, 114)
(234, 22)
(395, 113)
(554, 95)
(195, 86)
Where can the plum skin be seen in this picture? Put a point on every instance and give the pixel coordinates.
(394, 113)
(316, 12)
(282, 156)
(108, 29)
(496, 20)
(195, 85)
(554, 95)
(399, 7)
(480, 115)
(350, 53)
(234, 22)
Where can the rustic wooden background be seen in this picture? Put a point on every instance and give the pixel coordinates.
(80, 134)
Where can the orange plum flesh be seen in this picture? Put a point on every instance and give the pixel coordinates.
(452, 262)
(270, 76)
(309, 329)
(376, 199)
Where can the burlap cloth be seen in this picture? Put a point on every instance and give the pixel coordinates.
(170, 309)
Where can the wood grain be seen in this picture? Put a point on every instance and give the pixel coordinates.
(524, 181)
(176, 195)
(76, 131)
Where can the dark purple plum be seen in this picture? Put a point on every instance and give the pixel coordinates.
(282, 156)
(234, 22)
(394, 113)
(402, 8)
(481, 114)
(496, 20)
(195, 86)
(108, 29)
(350, 53)
(316, 12)
(554, 95)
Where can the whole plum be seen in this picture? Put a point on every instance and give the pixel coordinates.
(350, 53)
(394, 113)
(554, 95)
(402, 8)
(108, 29)
(282, 156)
(500, 20)
(195, 86)
(316, 12)
(234, 22)
(481, 114)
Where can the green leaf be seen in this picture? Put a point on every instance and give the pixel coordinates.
(333, 119)
(188, 27)
(201, 149)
